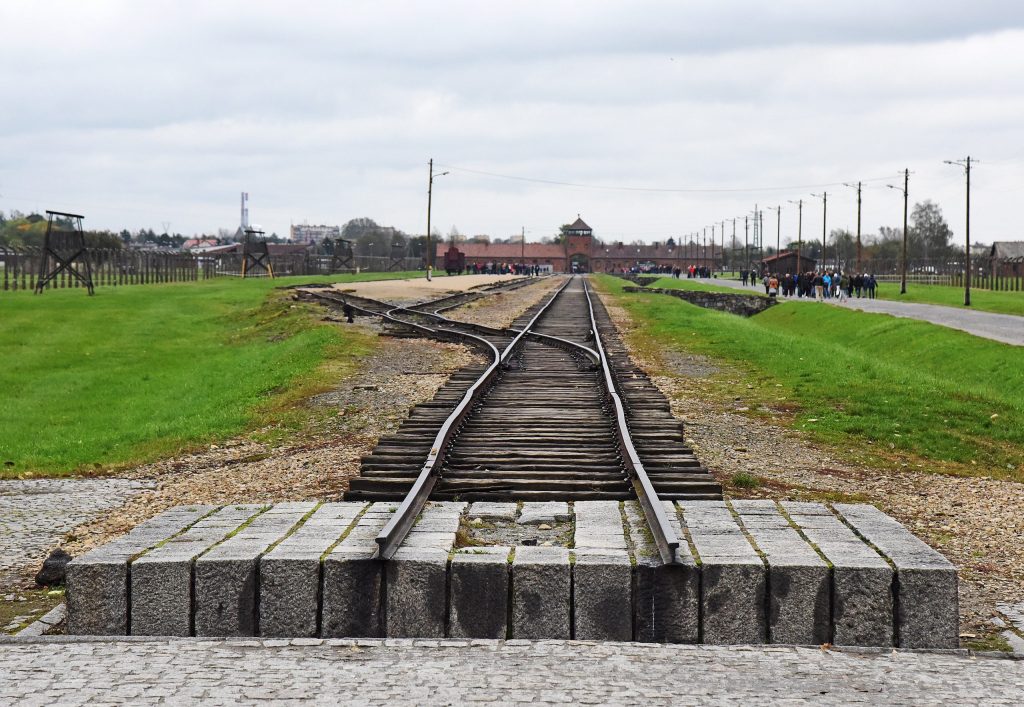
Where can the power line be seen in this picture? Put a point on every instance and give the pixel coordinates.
(673, 190)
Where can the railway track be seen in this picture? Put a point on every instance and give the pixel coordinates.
(559, 412)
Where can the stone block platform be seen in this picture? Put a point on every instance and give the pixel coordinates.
(750, 572)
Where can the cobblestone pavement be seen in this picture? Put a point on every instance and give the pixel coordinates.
(1007, 328)
(47, 671)
(36, 513)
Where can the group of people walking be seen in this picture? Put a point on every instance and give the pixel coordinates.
(817, 285)
(492, 268)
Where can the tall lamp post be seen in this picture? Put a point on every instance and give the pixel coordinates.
(824, 223)
(430, 198)
(723, 248)
(799, 232)
(732, 244)
(903, 257)
(966, 164)
(713, 227)
(857, 186)
(778, 229)
(746, 242)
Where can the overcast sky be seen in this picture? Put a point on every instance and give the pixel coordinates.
(673, 114)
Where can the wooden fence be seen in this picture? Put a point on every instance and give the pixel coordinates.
(981, 281)
(19, 267)
(985, 275)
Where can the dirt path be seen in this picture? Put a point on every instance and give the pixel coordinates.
(419, 289)
(978, 523)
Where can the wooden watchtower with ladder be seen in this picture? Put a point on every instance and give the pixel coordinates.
(64, 251)
(255, 255)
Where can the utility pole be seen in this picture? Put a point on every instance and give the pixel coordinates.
(966, 164)
(778, 228)
(723, 249)
(746, 233)
(713, 247)
(732, 243)
(430, 196)
(704, 250)
(756, 219)
(824, 223)
(858, 222)
(903, 257)
(522, 257)
(760, 236)
(799, 233)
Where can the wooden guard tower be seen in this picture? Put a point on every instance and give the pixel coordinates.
(255, 255)
(63, 246)
(342, 255)
(397, 255)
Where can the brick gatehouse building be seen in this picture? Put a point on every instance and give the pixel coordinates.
(581, 252)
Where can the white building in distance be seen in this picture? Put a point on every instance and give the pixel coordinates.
(305, 233)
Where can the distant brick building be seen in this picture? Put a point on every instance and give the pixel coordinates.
(786, 262)
(581, 252)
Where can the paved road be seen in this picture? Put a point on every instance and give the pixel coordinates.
(36, 513)
(1007, 328)
(48, 671)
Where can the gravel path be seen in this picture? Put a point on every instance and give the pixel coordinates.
(976, 522)
(503, 308)
(35, 514)
(1006, 328)
(46, 671)
(419, 289)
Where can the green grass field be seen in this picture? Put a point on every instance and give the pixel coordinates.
(895, 388)
(138, 372)
(982, 300)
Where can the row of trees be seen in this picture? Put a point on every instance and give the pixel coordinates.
(20, 229)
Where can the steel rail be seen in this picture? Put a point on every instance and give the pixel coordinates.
(664, 535)
(590, 353)
(394, 532)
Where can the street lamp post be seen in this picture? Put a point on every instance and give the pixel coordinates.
(966, 164)
(713, 226)
(799, 232)
(430, 197)
(723, 249)
(903, 257)
(746, 242)
(858, 221)
(824, 223)
(732, 244)
(778, 229)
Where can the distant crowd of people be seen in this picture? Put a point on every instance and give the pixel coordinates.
(817, 285)
(493, 268)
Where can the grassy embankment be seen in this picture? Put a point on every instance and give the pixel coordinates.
(981, 300)
(135, 373)
(907, 391)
